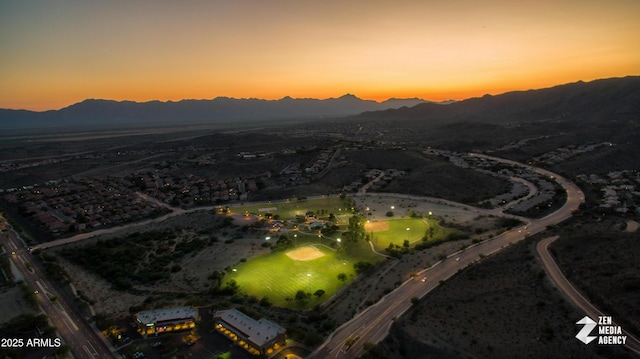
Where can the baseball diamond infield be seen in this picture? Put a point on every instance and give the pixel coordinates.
(376, 226)
(305, 254)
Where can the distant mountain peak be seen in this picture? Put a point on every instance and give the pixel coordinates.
(101, 112)
(348, 96)
(604, 98)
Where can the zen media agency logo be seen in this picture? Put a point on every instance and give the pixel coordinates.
(608, 333)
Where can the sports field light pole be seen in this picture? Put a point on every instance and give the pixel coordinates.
(295, 239)
(408, 229)
(309, 284)
(430, 224)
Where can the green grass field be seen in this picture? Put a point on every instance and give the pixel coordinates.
(277, 277)
(289, 210)
(398, 233)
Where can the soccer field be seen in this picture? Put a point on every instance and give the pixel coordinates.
(277, 277)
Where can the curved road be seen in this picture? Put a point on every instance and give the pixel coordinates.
(372, 325)
(562, 283)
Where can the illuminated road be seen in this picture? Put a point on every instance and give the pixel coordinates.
(74, 330)
(572, 293)
(372, 325)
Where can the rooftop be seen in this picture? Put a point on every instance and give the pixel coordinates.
(258, 331)
(161, 315)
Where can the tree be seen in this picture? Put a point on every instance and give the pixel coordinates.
(362, 267)
(301, 295)
(355, 229)
(430, 232)
(231, 287)
(342, 277)
(319, 293)
(217, 277)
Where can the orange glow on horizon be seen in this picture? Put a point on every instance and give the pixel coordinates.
(55, 55)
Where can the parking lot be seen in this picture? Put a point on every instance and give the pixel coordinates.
(204, 343)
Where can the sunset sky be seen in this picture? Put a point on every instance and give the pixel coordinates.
(56, 53)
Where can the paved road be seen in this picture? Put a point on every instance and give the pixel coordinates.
(84, 340)
(372, 325)
(558, 278)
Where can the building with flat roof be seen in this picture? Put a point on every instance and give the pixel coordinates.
(256, 336)
(166, 320)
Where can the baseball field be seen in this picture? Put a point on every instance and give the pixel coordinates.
(315, 267)
(278, 276)
(396, 231)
